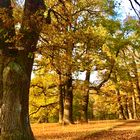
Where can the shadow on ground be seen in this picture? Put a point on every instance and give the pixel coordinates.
(113, 135)
(98, 130)
(124, 131)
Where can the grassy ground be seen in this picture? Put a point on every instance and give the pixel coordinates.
(95, 130)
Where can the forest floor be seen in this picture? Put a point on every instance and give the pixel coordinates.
(94, 130)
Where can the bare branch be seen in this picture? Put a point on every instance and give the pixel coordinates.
(108, 76)
(44, 106)
(137, 2)
(134, 8)
(104, 81)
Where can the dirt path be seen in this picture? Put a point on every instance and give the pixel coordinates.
(95, 130)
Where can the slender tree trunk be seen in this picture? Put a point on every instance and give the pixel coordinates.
(130, 116)
(134, 106)
(86, 98)
(120, 107)
(126, 107)
(61, 101)
(133, 113)
(138, 88)
(1, 77)
(136, 79)
(1, 83)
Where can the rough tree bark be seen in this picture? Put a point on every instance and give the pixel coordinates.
(7, 33)
(16, 68)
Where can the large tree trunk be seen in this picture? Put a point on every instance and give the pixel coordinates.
(7, 33)
(15, 103)
(14, 79)
(16, 70)
(24, 116)
(68, 103)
